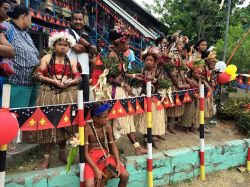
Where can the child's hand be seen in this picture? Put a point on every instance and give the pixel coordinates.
(99, 174)
(118, 169)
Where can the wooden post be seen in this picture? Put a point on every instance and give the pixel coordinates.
(81, 124)
(149, 136)
(202, 128)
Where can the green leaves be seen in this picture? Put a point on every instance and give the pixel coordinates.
(71, 158)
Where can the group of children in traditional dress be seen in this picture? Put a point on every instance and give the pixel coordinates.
(171, 65)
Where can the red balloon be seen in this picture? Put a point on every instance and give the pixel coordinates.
(8, 127)
(223, 78)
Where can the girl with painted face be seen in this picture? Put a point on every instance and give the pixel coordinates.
(59, 78)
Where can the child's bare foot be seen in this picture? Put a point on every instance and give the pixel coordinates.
(140, 151)
(171, 130)
(160, 137)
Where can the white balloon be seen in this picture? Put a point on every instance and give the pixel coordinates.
(221, 66)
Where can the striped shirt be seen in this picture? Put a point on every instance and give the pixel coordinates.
(26, 55)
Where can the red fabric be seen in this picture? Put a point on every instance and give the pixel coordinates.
(95, 76)
(95, 155)
(58, 69)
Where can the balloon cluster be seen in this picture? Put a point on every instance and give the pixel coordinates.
(227, 73)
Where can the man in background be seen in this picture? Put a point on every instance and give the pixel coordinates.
(81, 50)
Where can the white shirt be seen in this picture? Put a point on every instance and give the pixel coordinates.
(83, 58)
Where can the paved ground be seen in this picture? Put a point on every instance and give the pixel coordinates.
(228, 178)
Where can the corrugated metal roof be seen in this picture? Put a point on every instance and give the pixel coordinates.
(130, 19)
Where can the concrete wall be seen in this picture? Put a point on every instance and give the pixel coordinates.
(170, 166)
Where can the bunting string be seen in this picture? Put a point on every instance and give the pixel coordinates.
(59, 116)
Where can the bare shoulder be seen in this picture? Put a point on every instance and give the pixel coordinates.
(87, 128)
(73, 62)
(46, 58)
(108, 127)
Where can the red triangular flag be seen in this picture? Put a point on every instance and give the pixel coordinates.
(117, 111)
(65, 119)
(31, 123)
(42, 121)
(131, 110)
(167, 103)
(139, 109)
(88, 117)
(98, 61)
(158, 104)
(177, 100)
(240, 80)
(208, 94)
(187, 98)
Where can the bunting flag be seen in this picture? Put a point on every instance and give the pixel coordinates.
(28, 119)
(208, 94)
(65, 116)
(87, 109)
(158, 104)
(117, 111)
(98, 61)
(187, 98)
(47, 117)
(181, 96)
(177, 100)
(112, 112)
(139, 109)
(124, 103)
(142, 101)
(42, 121)
(73, 117)
(240, 80)
(131, 106)
(49, 112)
(167, 103)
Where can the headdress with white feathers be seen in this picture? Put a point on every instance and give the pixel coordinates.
(62, 35)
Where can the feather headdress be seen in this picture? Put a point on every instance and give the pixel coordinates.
(62, 35)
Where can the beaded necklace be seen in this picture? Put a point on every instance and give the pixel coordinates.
(99, 142)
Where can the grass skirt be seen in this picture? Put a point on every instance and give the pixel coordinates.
(208, 107)
(124, 124)
(158, 121)
(50, 96)
(191, 114)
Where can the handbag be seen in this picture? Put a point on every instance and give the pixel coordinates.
(6, 67)
(6, 64)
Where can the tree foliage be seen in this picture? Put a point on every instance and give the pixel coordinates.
(241, 58)
(195, 18)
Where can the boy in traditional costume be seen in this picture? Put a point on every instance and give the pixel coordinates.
(99, 145)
